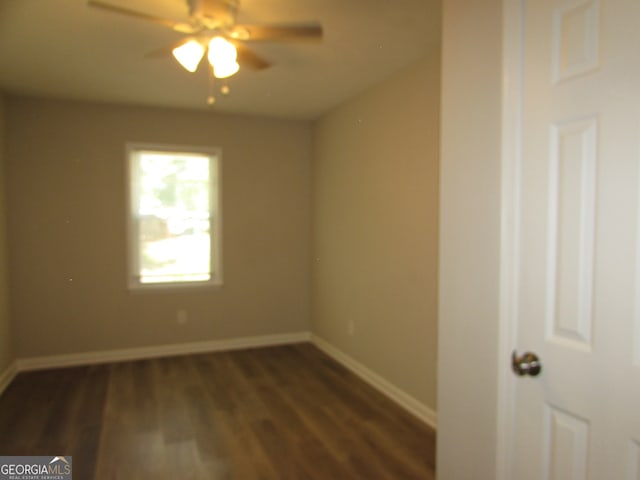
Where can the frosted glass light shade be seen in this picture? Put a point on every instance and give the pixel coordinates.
(189, 55)
(221, 51)
(222, 57)
(225, 70)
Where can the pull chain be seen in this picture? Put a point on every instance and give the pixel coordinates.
(211, 99)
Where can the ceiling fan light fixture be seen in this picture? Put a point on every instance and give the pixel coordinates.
(221, 51)
(189, 55)
(225, 70)
(222, 57)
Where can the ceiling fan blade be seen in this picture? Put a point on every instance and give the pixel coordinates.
(249, 59)
(177, 26)
(287, 32)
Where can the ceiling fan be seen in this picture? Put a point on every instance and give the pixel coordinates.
(212, 28)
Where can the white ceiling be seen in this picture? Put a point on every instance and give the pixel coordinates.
(64, 49)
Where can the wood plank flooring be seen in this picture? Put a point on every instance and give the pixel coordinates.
(285, 412)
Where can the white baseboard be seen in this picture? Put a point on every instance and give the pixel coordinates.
(110, 356)
(399, 396)
(417, 408)
(7, 376)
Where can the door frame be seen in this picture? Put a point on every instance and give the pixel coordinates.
(511, 161)
(471, 332)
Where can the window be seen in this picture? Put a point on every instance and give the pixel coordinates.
(174, 223)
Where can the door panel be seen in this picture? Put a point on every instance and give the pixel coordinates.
(567, 440)
(578, 249)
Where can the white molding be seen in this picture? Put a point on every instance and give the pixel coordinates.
(7, 376)
(417, 408)
(110, 356)
(402, 398)
(512, 108)
(636, 315)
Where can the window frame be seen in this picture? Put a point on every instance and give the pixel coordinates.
(133, 149)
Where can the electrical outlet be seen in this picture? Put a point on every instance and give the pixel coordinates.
(181, 317)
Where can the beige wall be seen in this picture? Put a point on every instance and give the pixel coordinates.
(375, 228)
(6, 351)
(66, 192)
(469, 239)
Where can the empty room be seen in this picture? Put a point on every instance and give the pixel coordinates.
(319, 239)
(229, 272)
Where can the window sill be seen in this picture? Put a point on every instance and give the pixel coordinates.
(173, 287)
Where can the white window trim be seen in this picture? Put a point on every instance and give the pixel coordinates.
(216, 267)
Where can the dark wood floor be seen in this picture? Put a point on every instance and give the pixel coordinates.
(274, 413)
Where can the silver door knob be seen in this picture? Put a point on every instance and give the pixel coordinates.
(526, 364)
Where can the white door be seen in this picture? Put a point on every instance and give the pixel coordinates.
(575, 195)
